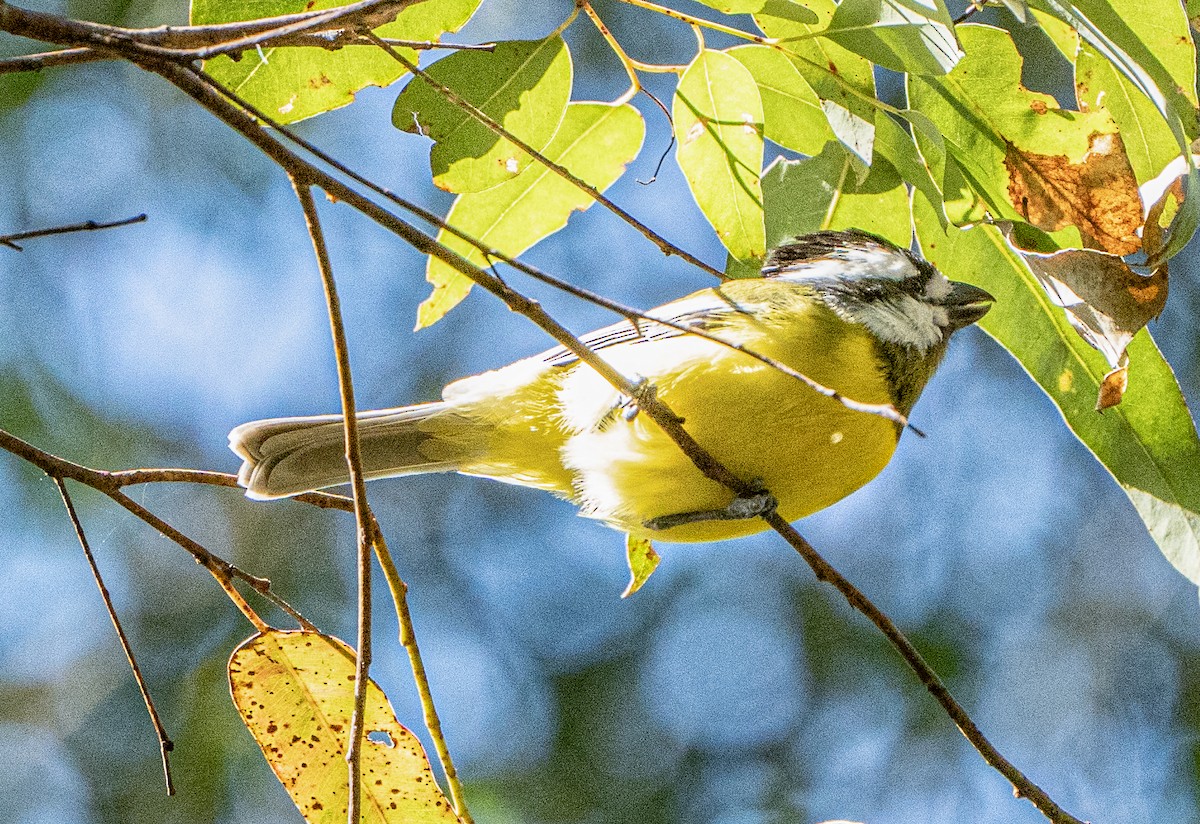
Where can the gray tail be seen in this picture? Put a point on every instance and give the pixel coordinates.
(287, 456)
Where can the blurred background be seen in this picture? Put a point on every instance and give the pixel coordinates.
(733, 688)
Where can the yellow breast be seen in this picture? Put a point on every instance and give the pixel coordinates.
(807, 449)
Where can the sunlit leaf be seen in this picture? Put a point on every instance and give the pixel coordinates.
(792, 113)
(1147, 137)
(821, 193)
(642, 559)
(987, 119)
(734, 6)
(1149, 42)
(718, 118)
(844, 81)
(903, 35)
(291, 84)
(524, 85)
(295, 693)
(804, 196)
(594, 142)
(894, 144)
(1148, 443)
(1064, 38)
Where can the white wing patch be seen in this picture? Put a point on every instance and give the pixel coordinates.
(854, 262)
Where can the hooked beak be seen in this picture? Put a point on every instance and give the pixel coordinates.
(966, 304)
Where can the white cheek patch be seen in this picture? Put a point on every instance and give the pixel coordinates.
(903, 320)
(938, 288)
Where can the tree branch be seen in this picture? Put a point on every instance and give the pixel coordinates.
(86, 226)
(362, 510)
(165, 745)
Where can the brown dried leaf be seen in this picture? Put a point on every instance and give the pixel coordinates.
(1099, 194)
(1105, 301)
(1112, 388)
(1159, 217)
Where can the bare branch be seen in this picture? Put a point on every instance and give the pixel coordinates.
(165, 745)
(408, 640)
(362, 510)
(86, 226)
(202, 42)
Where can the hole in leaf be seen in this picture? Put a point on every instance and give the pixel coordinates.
(381, 737)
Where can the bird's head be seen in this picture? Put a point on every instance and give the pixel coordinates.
(903, 300)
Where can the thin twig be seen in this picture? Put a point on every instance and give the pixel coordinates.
(408, 640)
(700, 22)
(86, 226)
(664, 245)
(110, 484)
(1022, 786)
(45, 60)
(362, 511)
(203, 42)
(218, 567)
(165, 745)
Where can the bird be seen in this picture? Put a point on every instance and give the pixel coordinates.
(848, 309)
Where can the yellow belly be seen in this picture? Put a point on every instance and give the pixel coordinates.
(808, 450)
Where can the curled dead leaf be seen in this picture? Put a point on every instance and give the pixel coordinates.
(1112, 388)
(1105, 301)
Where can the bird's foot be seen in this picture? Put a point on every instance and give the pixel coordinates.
(741, 508)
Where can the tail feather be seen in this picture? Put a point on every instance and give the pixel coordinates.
(287, 456)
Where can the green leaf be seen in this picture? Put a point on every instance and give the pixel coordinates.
(524, 85)
(981, 110)
(792, 113)
(895, 144)
(295, 693)
(1062, 36)
(843, 80)
(594, 142)
(643, 560)
(1148, 139)
(804, 196)
(291, 84)
(902, 35)
(1148, 442)
(734, 6)
(1150, 43)
(718, 118)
